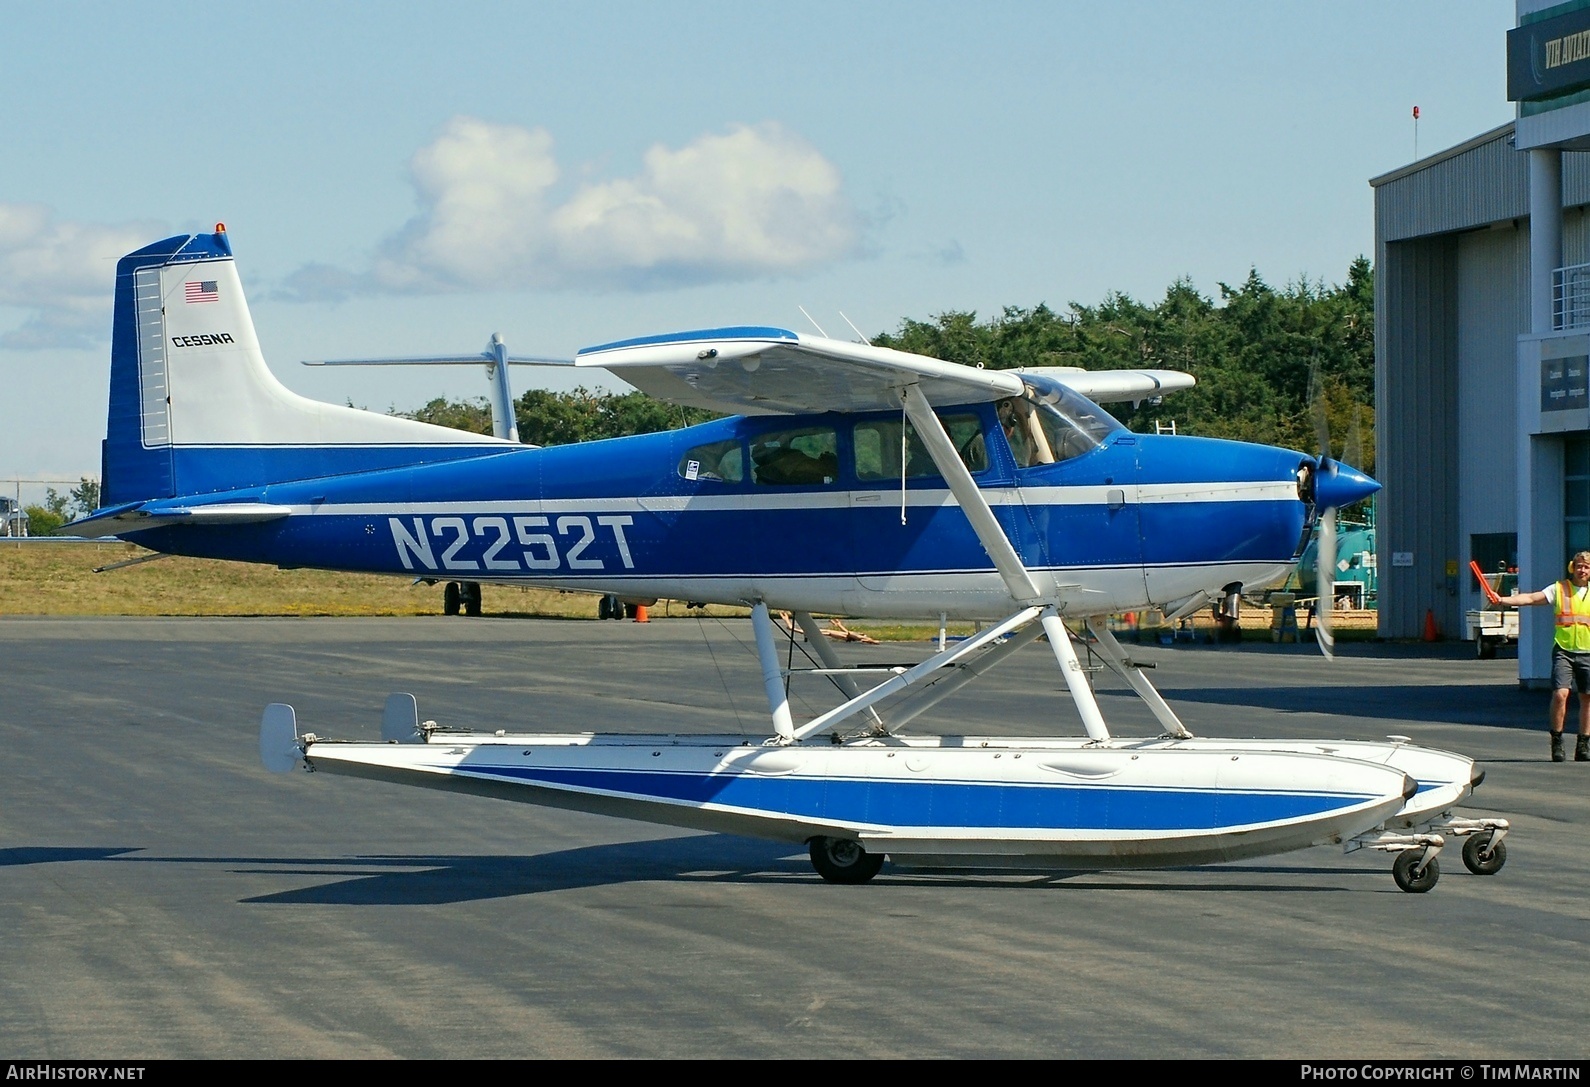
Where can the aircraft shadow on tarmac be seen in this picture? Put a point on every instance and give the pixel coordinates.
(48, 854)
(694, 859)
(1490, 704)
(712, 858)
(419, 880)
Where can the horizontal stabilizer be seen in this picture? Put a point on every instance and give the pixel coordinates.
(481, 359)
(137, 516)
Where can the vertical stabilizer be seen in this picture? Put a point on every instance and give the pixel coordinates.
(193, 407)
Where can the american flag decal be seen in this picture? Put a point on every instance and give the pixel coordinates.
(203, 291)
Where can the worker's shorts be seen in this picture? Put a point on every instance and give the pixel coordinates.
(1570, 671)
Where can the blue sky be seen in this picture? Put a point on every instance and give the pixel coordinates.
(410, 178)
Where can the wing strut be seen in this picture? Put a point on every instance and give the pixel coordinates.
(971, 500)
(999, 548)
(772, 675)
(901, 681)
(908, 709)
(1116, 657)
(1076, 679)
(825, 653)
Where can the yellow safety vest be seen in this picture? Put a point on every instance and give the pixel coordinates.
(1573, 619)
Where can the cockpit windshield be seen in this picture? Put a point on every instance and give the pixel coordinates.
(1052, 423)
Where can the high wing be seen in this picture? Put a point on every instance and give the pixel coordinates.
(1114, 386)
(755, 370)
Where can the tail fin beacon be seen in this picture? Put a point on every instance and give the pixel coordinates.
(195, 410)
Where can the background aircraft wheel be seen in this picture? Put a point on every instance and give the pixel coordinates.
(1410, 877)
(843, 860)
(470, 595)
(451, 598)
(1481, 857)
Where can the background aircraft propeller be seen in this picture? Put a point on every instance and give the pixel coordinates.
(1335, 485)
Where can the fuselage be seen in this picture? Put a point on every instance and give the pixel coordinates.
(824, 513)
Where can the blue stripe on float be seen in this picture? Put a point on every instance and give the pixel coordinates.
(917, 804)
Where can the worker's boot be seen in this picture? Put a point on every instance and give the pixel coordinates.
(1581, 750)
(1556, 747)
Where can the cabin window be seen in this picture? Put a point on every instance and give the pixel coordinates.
(790, 457)
(720, 461)
(1052, 426)
(878, 453)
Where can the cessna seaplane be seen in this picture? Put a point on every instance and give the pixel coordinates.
(845, 479)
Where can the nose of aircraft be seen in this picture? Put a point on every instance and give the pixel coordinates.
(1339, 484)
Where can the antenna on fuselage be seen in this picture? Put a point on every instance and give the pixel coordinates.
(861, 337)
(813, 320)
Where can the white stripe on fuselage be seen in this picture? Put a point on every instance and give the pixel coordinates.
(1152, 493)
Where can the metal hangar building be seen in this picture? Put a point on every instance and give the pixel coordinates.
(1482, 342)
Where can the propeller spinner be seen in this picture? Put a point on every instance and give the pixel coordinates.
(1334, 485)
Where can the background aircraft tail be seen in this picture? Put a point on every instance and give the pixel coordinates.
(195, 410)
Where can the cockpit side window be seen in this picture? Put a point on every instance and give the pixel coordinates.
(720, 461)
(879, 455)
(792, 457)
(1052, 426)
(1029, 443)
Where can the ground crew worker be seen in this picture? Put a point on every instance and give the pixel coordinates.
(1570, 655)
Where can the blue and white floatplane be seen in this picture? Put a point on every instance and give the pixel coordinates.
(846, 480)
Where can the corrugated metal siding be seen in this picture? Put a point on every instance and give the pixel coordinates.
(1575, 178)
(1492, 312)
(1416, 372)
(1575, 242)
(1484, 184)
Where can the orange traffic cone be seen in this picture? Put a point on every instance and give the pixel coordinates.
(640, 614)
(1432, 633)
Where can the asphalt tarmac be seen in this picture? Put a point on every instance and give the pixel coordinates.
(162, 895)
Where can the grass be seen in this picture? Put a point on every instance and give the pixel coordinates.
(57, 578)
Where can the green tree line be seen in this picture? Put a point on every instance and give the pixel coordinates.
(1269, 362)
(58, 509)
(548, 418)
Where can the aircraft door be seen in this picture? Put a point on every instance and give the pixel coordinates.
(905, 526)
(1077, 484)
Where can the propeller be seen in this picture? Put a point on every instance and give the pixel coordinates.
(1335, 485)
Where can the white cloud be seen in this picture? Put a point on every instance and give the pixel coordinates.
(754, 201)
(61, 274)
(482, 187)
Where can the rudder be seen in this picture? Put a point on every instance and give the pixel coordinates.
(193, 407)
